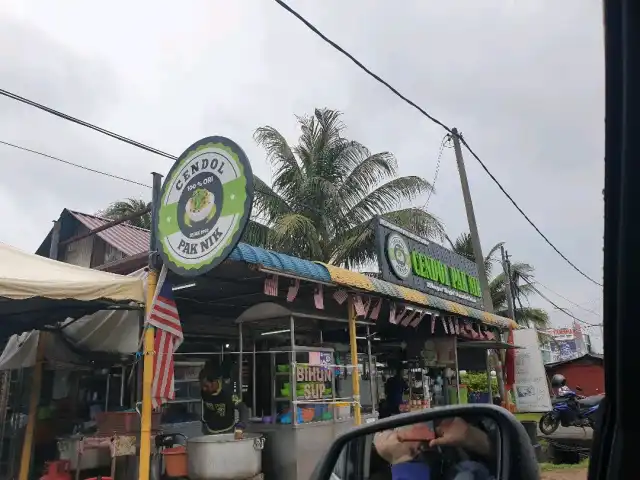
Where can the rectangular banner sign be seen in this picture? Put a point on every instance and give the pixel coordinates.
(407, 260)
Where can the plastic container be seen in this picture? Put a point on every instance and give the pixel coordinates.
(57, 470)
(175, 461)
(109, 423)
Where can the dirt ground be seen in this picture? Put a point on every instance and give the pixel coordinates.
(565, 474)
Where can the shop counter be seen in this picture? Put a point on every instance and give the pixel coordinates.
(292, 452)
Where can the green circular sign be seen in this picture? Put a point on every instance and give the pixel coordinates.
(204, 206)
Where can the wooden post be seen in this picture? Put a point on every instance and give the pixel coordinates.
(355, 373)
(34, 399)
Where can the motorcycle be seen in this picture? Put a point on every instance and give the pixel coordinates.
(571, 410)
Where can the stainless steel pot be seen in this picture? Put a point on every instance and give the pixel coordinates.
(220, 457)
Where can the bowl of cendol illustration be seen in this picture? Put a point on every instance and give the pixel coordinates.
(200, 206)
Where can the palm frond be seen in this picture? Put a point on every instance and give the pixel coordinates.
(419, 222)
(297, 235)
(287, 175)
(124, 208)
(387, 197)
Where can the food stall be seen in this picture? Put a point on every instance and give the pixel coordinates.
(36, 293)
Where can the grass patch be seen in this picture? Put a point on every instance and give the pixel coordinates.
(550, 467)
(534, 417)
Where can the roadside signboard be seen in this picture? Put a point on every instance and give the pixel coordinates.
(531, 389)
(204, 206)
(408, 260)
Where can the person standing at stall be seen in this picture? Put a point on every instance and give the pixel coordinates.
(222, 410)
(394, 389)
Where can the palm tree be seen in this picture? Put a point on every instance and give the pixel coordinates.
(521, 278)
(124, 208)
(325, 192)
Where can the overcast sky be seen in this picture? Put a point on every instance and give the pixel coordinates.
(522, 79)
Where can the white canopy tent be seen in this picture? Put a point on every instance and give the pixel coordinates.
(36, 292)
(110, 331)
(24, 276)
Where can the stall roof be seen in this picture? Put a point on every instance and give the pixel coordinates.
(35, 291)
(25, 275)
(360, 281)
(280, 262)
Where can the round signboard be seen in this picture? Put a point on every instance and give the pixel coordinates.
(204, 206)
(398, 255)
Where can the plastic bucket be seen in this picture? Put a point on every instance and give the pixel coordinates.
(175, 461)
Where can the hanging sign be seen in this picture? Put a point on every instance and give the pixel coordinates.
(204, 206)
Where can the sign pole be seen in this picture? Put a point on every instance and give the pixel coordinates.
(148, 332)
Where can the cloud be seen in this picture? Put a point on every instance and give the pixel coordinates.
(522, 80)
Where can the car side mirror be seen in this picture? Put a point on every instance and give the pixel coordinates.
(482, 440)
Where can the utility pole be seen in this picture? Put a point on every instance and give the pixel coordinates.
(477, 250)
(507, 284)
(473, 226)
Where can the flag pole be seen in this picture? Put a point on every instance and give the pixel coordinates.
(148, 345)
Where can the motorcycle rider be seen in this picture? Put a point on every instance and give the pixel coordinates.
(559, 383)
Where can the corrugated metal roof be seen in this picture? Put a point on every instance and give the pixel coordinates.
(128, 239)
(360, 281)
(279, 261)
(134, 240)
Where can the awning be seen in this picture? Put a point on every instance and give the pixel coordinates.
(24, 275)
(37, 291)
(279, 262)
(112, 331)
(351, 279)
(20, 352)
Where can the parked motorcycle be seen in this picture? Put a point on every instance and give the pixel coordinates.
(571, 410)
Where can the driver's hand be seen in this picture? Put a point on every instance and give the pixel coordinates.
(392, 449)
(452, 432)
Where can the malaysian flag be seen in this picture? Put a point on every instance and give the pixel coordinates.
(293, 290)
(271, 285)
(318, 297)
(376, 310)
(358, 306)
(163, 315)
(340, 296)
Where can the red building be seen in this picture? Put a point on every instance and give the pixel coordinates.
(586, 372)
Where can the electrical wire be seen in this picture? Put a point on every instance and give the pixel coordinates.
(563, 310)
(568, 300)
(77, 165)
(75, 120)
(360, 65)
(445, 139)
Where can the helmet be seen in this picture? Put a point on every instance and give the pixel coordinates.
(558, 381)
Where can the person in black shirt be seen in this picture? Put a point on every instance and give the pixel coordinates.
(222, 410)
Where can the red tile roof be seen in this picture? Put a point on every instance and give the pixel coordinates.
(128, 239)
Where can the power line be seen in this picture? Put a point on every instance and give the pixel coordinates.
(66, 162)
(563, 310)
(104, 131)
(568, 300)
(443, 144)
(360, 65)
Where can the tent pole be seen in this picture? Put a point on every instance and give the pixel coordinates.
(355, 373)
(148, 357)
(147, 380)
(34, 399)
